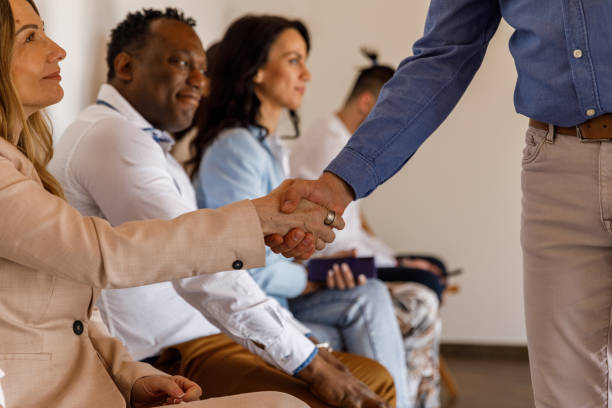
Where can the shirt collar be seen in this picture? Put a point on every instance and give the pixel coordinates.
(274, 145)
(112, 99)
(259, 132)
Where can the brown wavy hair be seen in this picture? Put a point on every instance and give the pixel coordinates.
(232, 101)
(34, 140)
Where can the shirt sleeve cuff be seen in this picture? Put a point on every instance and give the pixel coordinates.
(356, 171)
(293, 352)
(312, 355)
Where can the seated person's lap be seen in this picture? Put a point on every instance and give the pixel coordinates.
(223, 367)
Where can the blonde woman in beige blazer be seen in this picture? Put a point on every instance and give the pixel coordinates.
(53, 262)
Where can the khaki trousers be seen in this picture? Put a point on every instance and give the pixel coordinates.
(567, 246)
(223, 367)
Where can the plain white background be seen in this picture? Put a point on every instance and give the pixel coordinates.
(458, 197)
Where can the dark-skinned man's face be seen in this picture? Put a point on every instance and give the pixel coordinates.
(168, 75)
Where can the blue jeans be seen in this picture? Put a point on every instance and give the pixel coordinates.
(360, 321)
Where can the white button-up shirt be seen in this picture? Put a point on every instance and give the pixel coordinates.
(113, 164)
(310, 155)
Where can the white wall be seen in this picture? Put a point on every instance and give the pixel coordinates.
(458, 197)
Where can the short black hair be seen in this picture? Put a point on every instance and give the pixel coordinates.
(371, 78)
(130, 35)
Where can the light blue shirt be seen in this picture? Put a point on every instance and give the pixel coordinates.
(563, 55)
(240, 165)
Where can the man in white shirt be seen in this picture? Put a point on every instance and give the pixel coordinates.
(416, 304)
(114, 162)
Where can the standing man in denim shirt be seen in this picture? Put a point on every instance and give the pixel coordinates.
(563, 57)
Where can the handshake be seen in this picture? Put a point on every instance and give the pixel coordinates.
(299, 216)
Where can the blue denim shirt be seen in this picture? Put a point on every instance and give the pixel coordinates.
(237, 166)
(562, 51)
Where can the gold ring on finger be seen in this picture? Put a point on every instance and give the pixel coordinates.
(330, 217)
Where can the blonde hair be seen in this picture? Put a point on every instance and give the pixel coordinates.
(35, 140)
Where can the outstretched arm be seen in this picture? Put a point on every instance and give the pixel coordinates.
(421, 94)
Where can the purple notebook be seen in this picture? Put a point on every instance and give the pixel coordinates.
(317, 268)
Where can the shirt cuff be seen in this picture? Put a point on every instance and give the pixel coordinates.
(292, 352)
(355, 170)
(308, 361)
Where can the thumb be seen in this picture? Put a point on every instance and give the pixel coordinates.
(291, 197)
(167, 385)
(193, 392)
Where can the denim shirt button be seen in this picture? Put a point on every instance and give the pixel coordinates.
(590, 112)
(577, 53)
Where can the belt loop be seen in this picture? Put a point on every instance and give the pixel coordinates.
(550, 136)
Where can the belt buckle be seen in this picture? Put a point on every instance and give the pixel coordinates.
(581, 138)
(584, 140)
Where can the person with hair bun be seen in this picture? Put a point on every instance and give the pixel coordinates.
(417, 282)
(53, 261)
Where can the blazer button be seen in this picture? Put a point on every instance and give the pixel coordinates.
(237, 264)
(77, 327)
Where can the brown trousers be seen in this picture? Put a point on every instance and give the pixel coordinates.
(223, 367)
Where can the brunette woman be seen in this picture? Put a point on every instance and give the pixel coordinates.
(259, 72)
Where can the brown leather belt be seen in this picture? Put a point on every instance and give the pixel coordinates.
(596, 129)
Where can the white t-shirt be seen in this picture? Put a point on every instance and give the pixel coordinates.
(310, 155)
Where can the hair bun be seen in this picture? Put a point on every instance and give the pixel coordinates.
(371, 54)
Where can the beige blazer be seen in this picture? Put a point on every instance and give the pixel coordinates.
(53, 262)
